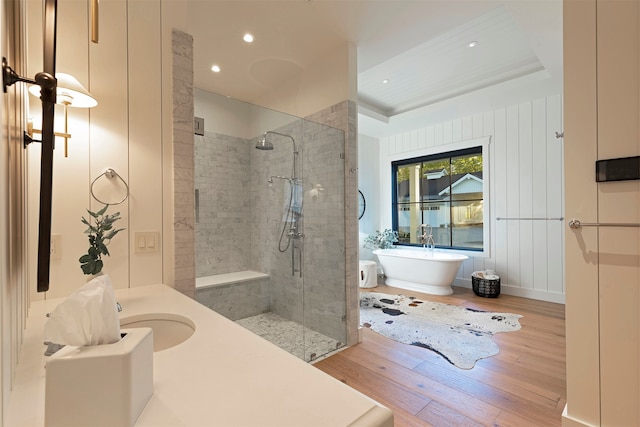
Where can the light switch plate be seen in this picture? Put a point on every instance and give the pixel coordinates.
(146, 242)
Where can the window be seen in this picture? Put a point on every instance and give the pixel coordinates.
(444, 190)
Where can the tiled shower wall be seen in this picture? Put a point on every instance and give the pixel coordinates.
(223, 206)
(240, 219)
(344, 116)
(182, 47)
(318, 299)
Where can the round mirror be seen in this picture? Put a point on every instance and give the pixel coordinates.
(362, 204)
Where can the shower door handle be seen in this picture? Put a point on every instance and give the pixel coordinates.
(296, 249)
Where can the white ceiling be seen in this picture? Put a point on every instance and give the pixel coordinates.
(420, 46)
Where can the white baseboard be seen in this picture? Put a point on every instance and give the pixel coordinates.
(567, 421)
(518, 292)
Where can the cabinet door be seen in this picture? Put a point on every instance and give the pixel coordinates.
(618, 47)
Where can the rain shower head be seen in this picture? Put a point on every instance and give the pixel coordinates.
(263, 144)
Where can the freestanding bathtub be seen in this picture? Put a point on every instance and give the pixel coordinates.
(420, 270)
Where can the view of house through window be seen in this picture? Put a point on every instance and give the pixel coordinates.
(443, 190)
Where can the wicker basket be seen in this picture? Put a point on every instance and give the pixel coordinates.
(485, 287)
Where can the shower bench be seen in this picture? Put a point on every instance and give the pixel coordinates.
(236, 295)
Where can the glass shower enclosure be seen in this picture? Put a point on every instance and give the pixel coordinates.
(270, 229)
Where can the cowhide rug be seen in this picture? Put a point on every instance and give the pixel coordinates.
(460, 335)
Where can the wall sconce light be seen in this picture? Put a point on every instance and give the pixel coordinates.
(69, 93)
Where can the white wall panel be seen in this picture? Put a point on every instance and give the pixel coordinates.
(447, 132)
(618, 90)
(430, 135)
(500, 203)
(145, 137)
(581, 258)
(539, 194)
(123, 132)
(525, 181)
(555, 195)
(467, 129)
(70, 174)
(422, 138)
(109, 146)
(513, 196)
(458, 129)
(525, 154)
(414, 139)
(438, 134)
(477, 127)
(369, 183)
(486, 121)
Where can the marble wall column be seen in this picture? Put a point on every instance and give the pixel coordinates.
(183, 163)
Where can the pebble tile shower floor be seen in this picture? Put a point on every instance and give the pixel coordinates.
(291, 336)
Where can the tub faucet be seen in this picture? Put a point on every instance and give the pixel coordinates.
(426, 238)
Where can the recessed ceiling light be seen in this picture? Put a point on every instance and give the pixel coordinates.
(473, 44)
(215, 69)
(385, 81)
(248, 38)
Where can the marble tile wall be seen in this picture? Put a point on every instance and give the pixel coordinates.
(237, 300)
(344, 116)
(324, 253)
(271, 251)
(223, 228)
(183, 162)
(318, 300)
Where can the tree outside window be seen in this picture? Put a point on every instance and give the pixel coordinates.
(444, 190)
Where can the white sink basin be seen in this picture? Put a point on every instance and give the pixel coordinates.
(169, 329)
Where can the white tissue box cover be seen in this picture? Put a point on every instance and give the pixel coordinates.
(102, 385)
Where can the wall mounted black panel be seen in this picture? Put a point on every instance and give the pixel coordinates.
(623, 169)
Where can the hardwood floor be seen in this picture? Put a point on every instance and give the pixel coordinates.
(524, 385)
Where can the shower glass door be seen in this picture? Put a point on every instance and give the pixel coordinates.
(324, 242)
(274, 216)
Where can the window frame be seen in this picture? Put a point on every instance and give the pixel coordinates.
(445, 151)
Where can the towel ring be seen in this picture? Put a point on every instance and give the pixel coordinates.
(109, 173)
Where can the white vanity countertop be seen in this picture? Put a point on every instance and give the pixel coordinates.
(223, 375)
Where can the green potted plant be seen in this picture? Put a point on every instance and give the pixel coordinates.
(381, 240)
(100, 234)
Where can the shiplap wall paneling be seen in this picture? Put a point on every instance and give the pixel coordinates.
(498, 196)
(525, 181)
(369, 182)
(145, 137)
(513, 196)
(555, 198)
(525, 153)
(34, 65)
(488, 124)
(108, 66)
(539, 193)
(71, 174)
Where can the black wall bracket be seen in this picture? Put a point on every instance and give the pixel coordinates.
(10, 77)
